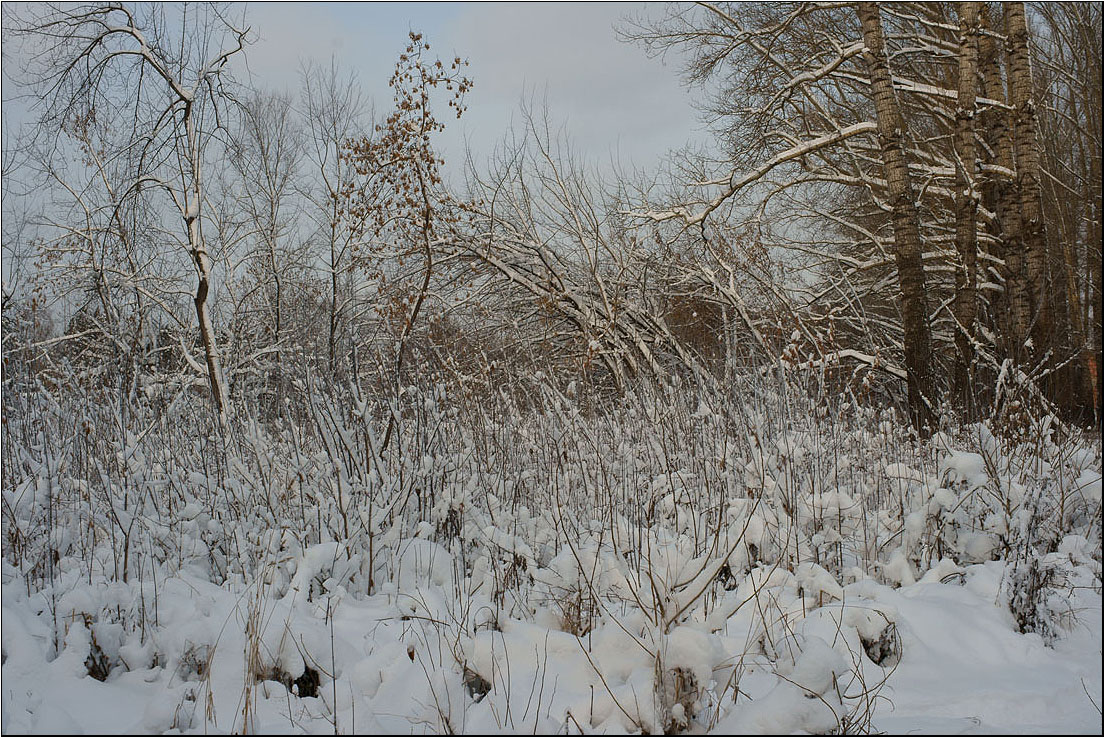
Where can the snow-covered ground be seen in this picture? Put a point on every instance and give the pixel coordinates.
(674, 564)
(399, 655)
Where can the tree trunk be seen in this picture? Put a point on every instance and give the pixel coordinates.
(332, 340)
(1090, 97)
(207, 331)
(1030, 236)
(1095, 369)
(908, 241)
(198, 250)
(1077, 395)
(1011, 310)
(967, 202)
(1094, 262)
(278, 284)
(1093, 107)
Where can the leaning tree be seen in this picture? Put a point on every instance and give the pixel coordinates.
(159, 78)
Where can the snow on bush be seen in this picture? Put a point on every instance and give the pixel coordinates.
(677, 560)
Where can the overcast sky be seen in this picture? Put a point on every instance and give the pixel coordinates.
(613, 100)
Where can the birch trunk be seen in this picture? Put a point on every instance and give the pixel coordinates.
(198, 250)
(1011, 310)
(964, 308)
(908, 241)
(1030, 236)
(207, 331)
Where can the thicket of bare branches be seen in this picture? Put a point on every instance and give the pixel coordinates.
(910, 194)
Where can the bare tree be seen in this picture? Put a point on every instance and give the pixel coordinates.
(1067, 55)
(99, 254)
(568, 275)
(168, 91)
(398, 193)
(798, 106)
(334, 112)
(266, 155)
(810, 120)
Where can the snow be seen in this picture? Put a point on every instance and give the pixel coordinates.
(962, 659)
(964, 667)
(685, 574)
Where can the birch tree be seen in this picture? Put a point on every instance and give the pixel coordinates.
(908, 240)
(1010, 310)
(1030, 237)
(168, 91)
(967, 201)
(805, 128)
